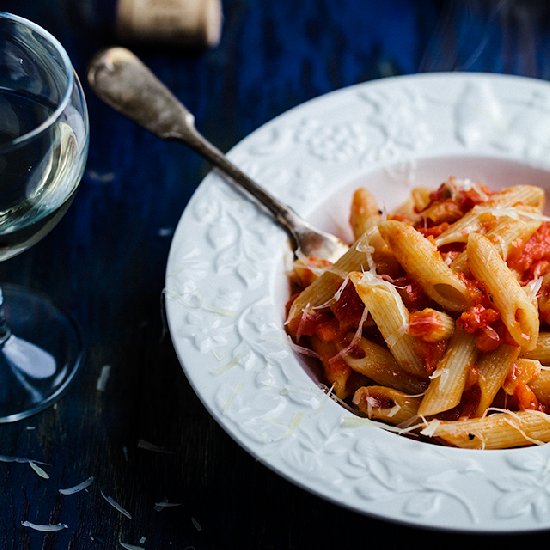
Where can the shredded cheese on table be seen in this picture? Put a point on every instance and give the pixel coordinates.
(47, 528)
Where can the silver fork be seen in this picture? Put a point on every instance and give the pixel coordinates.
(120, 79)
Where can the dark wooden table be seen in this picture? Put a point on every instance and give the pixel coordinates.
(105, 264)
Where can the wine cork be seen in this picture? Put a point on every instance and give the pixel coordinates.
(186, 22)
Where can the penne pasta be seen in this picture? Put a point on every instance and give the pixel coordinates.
(458, 232)
(382, 403)
(541, 351)
(542, 298)
(506, 235)
(540, 386)
(448, 381)
(420, 197)
(492, 370)
(326, 285)
(517, 384)
(492, 221)
(364, 212)
(495, 431)
(336, 371)
(527, 195)
(378, 364)
(422, 261)
(517, 311)
(385, 305)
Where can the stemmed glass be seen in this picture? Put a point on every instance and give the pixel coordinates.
(43, 150)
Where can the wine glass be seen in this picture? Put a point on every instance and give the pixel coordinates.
(43, 148)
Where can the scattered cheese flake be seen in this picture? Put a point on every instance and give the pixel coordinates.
(30, 427)
(196, 524)
(358, 421)
(77, 488)
(159, 506)
(19, 460)
(457, 184)
(103, 377)
(125, 452)
(130, 546)
(38, 470)
(142, 540)
(394, 410)
(165, 231)
(143, 444)
(532, 289)
(356, 337)
(116, 505)
(369, 279)
(100, 177)
(336, 296)
(302, 350)
(363, 245)
(45, 528)
(431, 428)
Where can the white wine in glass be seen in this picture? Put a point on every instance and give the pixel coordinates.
(44, 135)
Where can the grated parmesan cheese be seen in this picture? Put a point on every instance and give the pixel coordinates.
(369, 279)
(130, 546)
(116, 505)
(456, 185)
(336, 296)
(103, 378)
(394, 410)
(44, 528)
(532, 289)
(357, 421)
(148, 446)
(19, 460)
(430, 428)
(39, 471)
(300, 350)
(159, 506)
(363, 245)
(77, 488)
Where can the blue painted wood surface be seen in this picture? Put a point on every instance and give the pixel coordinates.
(105, 264)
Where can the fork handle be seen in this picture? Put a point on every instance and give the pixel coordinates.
(120, 79)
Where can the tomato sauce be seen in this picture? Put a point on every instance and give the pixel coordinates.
(411, 292)
(308, 322)
(434, 230)
(476, 318)
(430, 353)
(423, 323)
(348, 309)
(467, 406)
(534, 256)
(464, 198)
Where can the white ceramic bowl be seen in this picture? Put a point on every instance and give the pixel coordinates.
(226, 288)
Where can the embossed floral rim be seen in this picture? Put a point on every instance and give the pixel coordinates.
(226, 285)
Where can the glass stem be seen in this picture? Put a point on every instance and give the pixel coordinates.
(5, 331)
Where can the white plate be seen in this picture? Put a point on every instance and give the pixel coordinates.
(226, 288)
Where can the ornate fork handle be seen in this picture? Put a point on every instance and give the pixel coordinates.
(126, 84)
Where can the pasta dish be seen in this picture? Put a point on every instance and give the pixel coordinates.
(436, 322)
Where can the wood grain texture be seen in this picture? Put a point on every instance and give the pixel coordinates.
(105, 264)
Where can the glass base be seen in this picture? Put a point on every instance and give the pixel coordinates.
(39, 358)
